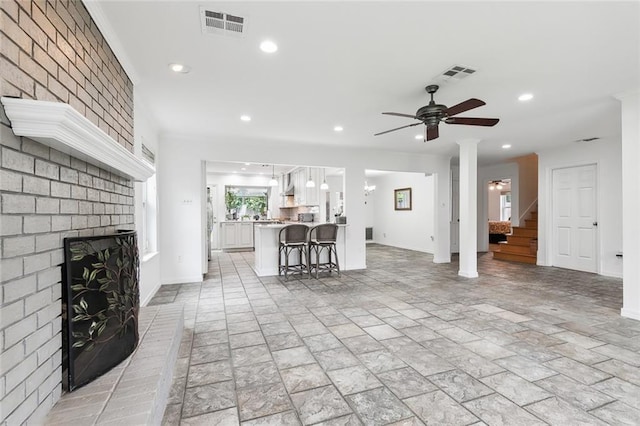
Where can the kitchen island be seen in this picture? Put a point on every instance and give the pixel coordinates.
(266, 247)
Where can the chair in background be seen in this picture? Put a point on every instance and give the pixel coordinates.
(293, 239)
(322, 238)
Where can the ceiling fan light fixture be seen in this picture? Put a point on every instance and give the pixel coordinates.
(310, 182)
(273, 181)
(324, 186)
(433, 114)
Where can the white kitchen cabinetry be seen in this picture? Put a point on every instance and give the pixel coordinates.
(304, 196)
(300, 187)
(237, 235)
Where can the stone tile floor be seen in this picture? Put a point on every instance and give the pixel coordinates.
(404, 342)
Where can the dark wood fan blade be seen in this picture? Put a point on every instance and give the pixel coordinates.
(401, 115)
(432, 133)
(473, 121)
(397, 128)
(465, 106)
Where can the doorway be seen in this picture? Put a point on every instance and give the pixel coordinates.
(574, 218)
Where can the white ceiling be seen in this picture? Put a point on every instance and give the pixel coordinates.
(346, 62)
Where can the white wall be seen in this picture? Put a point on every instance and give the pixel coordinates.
(146, 131)
(412, 229)
(180, 193)
(180, 197)
(606, 153)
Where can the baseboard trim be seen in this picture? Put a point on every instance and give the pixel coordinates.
(472, 274)
(630, 313)
(184, 280)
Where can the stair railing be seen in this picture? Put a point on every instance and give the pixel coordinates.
(528, 210)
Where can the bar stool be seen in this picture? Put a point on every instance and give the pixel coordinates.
(323, 238)
(293, 239)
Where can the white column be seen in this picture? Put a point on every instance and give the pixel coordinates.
(630, 204)
(468, 208)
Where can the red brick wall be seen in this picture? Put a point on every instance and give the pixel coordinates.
(53, 51)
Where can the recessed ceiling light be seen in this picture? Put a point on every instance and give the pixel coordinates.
(338, 129)
(525, 97)
(179, 68)
(268, 46)
(245, 118)
(243, 169)
(247, 164)
(506, 146)
(419, 136)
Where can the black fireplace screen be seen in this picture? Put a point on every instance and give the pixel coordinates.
(100, 302)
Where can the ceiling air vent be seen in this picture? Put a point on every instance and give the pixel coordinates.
(222, 23)
(454, 74)
(588, 139)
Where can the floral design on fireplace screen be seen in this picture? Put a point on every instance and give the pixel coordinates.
(100, 305)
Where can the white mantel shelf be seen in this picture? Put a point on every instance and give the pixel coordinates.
(61, 127)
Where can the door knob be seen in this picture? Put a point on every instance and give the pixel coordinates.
(595, 223)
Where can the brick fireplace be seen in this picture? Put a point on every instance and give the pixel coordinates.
(52, 51)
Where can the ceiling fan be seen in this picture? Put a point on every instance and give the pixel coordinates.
(431, 115)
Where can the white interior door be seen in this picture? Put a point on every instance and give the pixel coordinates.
(574, 218)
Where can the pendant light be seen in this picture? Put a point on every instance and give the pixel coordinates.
(324, 186)
(273, 181)
(310, 182)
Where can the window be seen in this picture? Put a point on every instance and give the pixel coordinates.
(244, 202)
(149, 218)
(505, 206)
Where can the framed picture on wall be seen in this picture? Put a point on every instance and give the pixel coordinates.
(402, 199)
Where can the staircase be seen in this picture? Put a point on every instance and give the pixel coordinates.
(522, 244)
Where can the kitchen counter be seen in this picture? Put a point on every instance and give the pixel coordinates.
(251, 221)
(266, 246)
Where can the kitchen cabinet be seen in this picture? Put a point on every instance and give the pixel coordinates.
(300, 187)
(304, 196)
(237, 235)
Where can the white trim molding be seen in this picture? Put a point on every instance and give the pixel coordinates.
(61, 127)
(630, 313)
(97, 14)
